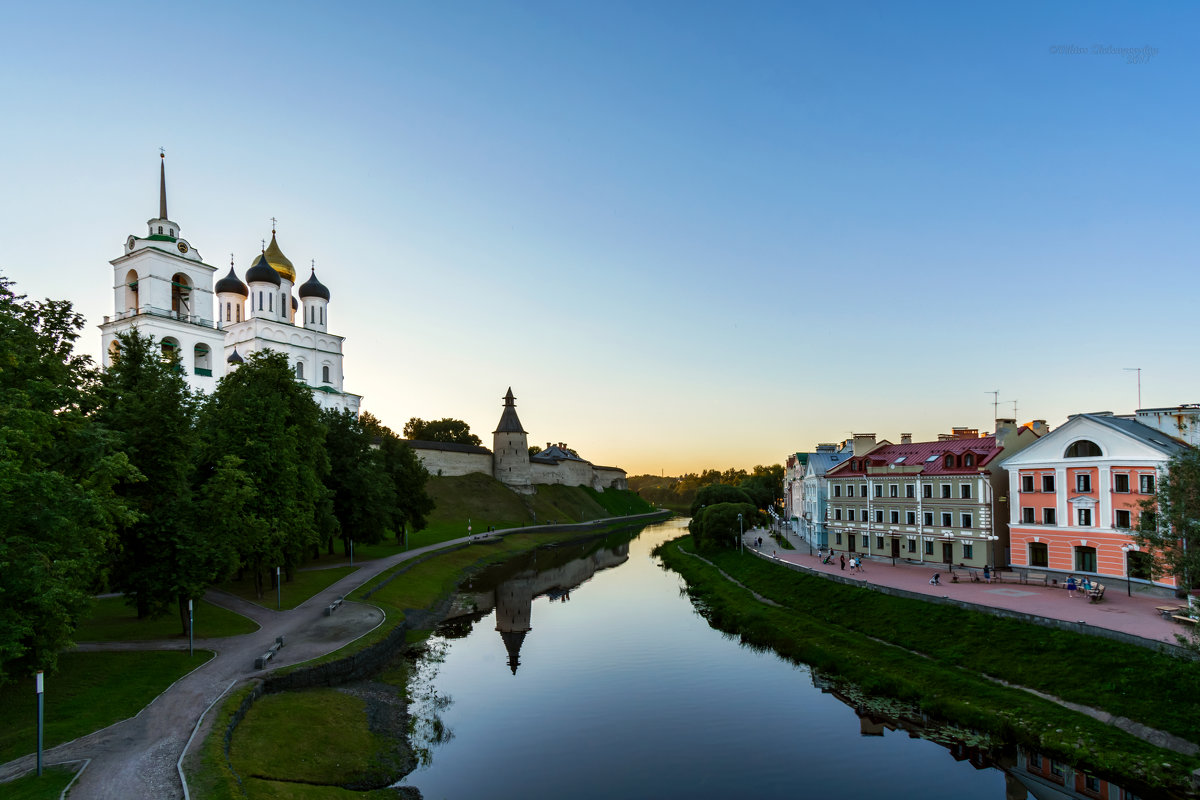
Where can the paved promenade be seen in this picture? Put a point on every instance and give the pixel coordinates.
(1133, 615)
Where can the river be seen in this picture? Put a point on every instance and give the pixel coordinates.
(585, 671)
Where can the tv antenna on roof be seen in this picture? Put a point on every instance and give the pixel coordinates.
(1138, 370)
(995, 403)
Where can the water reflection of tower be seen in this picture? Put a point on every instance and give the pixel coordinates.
(514, 604)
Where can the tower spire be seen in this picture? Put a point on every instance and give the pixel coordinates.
(162, 184)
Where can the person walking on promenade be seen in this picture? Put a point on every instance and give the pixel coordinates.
(1071, 586)
(843, 558)
(987, 573)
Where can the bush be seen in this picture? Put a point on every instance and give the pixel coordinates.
(717, 526)
(717, 493)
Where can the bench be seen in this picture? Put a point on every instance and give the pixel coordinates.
(1039, 578)
(1097, 593)
(1169, 611)
(261, 661)
(1183, 619)
(332, 607)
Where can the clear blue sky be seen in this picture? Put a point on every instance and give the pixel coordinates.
(687, 234)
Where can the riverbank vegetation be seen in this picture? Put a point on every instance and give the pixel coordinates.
(948, 661)
(763, 483)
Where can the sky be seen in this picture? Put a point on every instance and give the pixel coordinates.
(687, 234)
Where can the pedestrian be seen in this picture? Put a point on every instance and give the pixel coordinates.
(987, 573)
(936, 580)
(1071, 586)
(843, 558)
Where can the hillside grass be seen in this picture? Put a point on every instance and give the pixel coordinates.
(112, 620)
(304, 584)
(32, 787)
(90, 691)
(940, 654)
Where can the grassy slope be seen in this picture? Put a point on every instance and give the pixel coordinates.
(835, 628)
(112, 620)
(89, 692)
(304, 585)
(30, 787)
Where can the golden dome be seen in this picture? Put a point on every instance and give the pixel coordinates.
(278, 261)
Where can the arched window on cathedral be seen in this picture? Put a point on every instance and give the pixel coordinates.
(322, 316)
(239, 312)
(160, 230)
(325, 374)
(300, 370)
(229, 312)
(260, 308)
(270, 302)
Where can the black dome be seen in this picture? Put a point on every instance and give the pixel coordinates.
(295, 305)
(234, 358)
(262, 272)
(231, 283)
(314, 288)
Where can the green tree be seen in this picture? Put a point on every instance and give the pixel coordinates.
(58, 472)
(1169, 523)
(718, 527)
(408, 475)
(363, 494)
(272, 425)
(716, 493)
(145, 401)
(446, 429)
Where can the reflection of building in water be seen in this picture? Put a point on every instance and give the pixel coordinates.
(513, 599)
(1027, 775)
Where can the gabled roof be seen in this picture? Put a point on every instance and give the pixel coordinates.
(821, 463)
(1118, 437)
(1143, 433)
(553, 454)
(929, 456)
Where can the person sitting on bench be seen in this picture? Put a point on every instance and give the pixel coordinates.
(936, 580)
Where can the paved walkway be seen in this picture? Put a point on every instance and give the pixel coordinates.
(1134, 615)
(137, 757)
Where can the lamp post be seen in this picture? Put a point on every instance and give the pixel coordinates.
(1127, 549)
(39, 687)
(278, 591)
(191, 626)
(741, 535)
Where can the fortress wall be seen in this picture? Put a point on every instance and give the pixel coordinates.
(606, 478)
(566, 473)
(443, 462)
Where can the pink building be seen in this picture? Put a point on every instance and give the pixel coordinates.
(1076, 494)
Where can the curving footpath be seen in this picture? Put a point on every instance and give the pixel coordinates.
(137, 757)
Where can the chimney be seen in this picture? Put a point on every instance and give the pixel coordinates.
(906, 438)
(1039, 427)
(1005, 425)
(863, 442)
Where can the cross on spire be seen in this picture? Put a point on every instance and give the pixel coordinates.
(264, 245)
(273, 221)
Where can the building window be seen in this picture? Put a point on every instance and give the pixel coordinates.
(1027, 515)
(838, 537)
(968, 550)
(321, 314)
(270, 302)
(879, 515)
(866, 541)
(1085, 559)
(239, 312)
(1082, 449)
(878, 542)
(850, 490)
(949, 462)
(928, 547)
(300, 370)
(893, 490)
(1084, 517)
(1121, 482)
(837, 513)
(946, 491)
(947, 519)
(1035, 761)
(968, 460)
(854, 465)
(964, 491)
(927, 490)
(850, 514)
(160, 230)
(1027, 484)
(1048, 516)
(910, 491)
(1083, 482)
(912, 545)
(325, 374)
(895, 518)
(1039, 555)
(837, 490)
(1047, 483)
(864, 490)
(910, 518)
(260, 303)
(967, 520)
(1146, 484)
(1123, 518)
(879, 490)
(929, 518)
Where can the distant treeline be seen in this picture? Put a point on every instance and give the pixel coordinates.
(763, 484)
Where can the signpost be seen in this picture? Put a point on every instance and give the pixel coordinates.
(40, 696)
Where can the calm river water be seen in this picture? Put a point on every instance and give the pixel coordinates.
(588, 673)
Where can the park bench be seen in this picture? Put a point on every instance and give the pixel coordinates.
(332, 607)
(1039, 578)
(261, 661)
(1097, 593)
(1183, 619)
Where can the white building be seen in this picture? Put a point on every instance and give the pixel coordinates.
(162, 287)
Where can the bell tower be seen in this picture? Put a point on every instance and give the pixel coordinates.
(510, 449)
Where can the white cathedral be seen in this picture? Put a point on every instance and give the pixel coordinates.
(163, 288)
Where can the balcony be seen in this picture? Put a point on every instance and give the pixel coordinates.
(164, 313)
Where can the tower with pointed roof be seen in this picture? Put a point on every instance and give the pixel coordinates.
(510, 449)
(162, 287)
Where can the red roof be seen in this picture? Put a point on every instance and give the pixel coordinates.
(919, 454)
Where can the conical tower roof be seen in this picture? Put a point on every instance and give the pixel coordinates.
(509, 422)
(512, 643)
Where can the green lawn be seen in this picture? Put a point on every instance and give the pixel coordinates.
(336, 747)
(304, 585)
(32, 787)
(257, 789)
(114, 621)
(89, 692)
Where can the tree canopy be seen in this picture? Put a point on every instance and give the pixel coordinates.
(716, 493)
(718, 527)
(1169, 523)
(454, 431)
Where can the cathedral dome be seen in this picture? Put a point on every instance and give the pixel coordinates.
(278, 261)
(262, 272)
(231, 283)
(313, 288)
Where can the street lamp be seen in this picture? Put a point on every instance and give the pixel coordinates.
(741, 534)
(1127, 549)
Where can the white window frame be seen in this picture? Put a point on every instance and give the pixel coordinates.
(967, 520)
(1081, 514)
(1028, 481)
(1080, 479)
(1115, 477)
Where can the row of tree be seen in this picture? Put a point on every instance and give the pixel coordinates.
(764, 484)
(126, 480)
